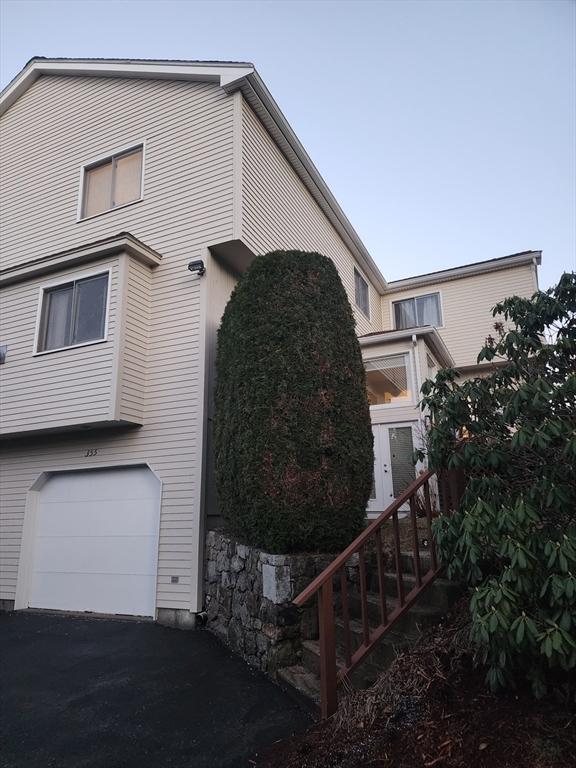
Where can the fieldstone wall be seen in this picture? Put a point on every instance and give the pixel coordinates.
(249, 597)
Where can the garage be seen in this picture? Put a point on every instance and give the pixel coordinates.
(95, 542)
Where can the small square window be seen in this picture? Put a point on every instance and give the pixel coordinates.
(388, 379)
(419, 311)
(73, 313)
(112, 183)
(361, 293)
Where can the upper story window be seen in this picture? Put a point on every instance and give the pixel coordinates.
(388, 379)
(420, 310)
(361, 293)
(112, 182)
(73, 313)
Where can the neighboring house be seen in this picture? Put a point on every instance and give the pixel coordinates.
(429, 322)
(134, 193)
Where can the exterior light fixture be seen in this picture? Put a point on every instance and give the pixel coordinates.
(198, 267)
(3, 353)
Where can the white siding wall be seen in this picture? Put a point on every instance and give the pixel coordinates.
(278, 212)
(134, 352)
(57, 125)
(466, 305)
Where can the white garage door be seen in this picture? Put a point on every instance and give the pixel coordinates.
(96, 542)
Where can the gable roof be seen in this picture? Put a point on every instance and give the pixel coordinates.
(231, 76)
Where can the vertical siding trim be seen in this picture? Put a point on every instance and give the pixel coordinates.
(197, 566)
(118, 354)
(27, 542)
(237, 198)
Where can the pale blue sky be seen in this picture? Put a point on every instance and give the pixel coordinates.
(445, 129)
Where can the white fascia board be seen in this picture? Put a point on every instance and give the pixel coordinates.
(122, 243)
(221, 73)
(430, 335)
(467, 270)
(260, 99)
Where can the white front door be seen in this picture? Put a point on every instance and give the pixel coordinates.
(394, 469)
(96, 542)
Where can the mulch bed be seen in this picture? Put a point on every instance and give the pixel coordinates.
(431, 709)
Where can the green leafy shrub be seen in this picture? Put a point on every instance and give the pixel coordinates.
(514, 537)
(292, 433)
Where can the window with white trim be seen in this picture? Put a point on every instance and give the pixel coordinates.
(418, 311)
(361, 293)
(388, 379)
(73, 313)
(112, 183)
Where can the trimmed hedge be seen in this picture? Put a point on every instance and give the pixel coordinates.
(292, 432)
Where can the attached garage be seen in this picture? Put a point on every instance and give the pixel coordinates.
(92, 542)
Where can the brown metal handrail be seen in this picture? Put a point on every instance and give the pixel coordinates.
(331, 674)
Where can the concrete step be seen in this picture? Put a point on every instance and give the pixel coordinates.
(366, 673)
(301, 678)
(440, 594)
(382, 652)
(406, 561)
(421, 614)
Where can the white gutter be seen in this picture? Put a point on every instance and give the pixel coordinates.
(428, 333)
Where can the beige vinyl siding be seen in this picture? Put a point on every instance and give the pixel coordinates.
(466, 307)
(278, 212)
(64, 122)
(133, 356)
(55, 389)
(221, 284)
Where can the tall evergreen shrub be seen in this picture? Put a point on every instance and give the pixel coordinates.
(292, 432)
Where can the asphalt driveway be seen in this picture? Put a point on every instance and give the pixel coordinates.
(79, 692)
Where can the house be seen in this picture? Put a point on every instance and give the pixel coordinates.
(431, 321)
(134, 194)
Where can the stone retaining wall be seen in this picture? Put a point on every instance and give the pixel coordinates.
(249, 597)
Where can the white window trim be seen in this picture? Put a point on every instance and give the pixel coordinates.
(363, 276)
(415, 296)
(62, 281)
(411, 377)
(100, 159)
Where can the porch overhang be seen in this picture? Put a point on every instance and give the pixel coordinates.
(428, 333)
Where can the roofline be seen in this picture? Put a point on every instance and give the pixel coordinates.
(427, 332)
(262, 102)
(122, 242)
(467, 270)
(231, 77)
(207, 71)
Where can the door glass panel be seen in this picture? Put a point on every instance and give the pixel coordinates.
(401, 464)
(90, 309)
(373, 491)
(57, 314)
(387, 379)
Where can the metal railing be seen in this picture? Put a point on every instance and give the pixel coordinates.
(374, 543)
